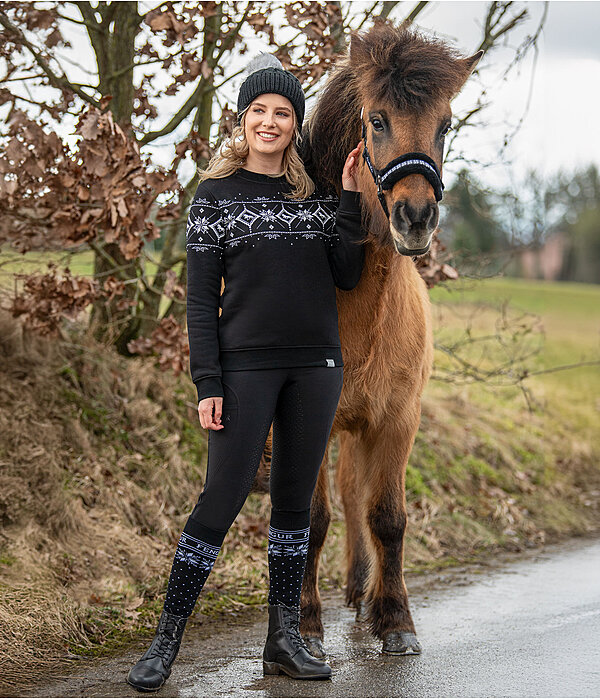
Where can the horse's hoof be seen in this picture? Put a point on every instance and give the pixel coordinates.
(315, 646)
(362, 612)
(401, 643)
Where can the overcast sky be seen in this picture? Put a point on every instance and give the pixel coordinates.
(561, 127)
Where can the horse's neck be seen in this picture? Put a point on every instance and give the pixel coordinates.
(390, 291)
(387, 281)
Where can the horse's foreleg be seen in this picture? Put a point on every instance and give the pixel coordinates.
(385, 457)
(357, 561)
(311, 626)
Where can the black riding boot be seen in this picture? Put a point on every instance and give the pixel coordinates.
(285, 650)
(153, 669)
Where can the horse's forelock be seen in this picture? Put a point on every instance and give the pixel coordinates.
(401, 66)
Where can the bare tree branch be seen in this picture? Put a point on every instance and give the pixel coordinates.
(386, 8)
(493, 24)
(94, 27)
(231, 39)
(367, 16)
(177, 118)
(416, 11)
(58, 81)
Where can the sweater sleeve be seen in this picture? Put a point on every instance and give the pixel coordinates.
(204, 247)
(347, 252)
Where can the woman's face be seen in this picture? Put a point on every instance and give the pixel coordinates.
(269, 124)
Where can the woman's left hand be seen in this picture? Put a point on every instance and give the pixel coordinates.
(349, 181)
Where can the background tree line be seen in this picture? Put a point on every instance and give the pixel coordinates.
(485, 230)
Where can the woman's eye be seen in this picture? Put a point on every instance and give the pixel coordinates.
(377, 124)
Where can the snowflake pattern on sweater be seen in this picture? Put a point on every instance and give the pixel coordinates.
(214, 226)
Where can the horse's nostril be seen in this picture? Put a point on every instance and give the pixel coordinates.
(399, 219)
(407, 215)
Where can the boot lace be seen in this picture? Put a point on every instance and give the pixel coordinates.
(291, 621)
(167, 637)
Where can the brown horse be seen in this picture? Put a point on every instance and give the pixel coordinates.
(403, 82)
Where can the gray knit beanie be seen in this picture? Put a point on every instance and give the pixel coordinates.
(266, 74)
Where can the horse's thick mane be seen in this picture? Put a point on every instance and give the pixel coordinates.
(396, 65)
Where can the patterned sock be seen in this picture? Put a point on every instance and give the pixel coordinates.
(196, 553)
(288, 547)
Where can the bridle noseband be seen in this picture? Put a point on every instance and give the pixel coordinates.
(406, 164)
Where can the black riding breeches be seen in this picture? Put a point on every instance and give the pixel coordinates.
(301, 403)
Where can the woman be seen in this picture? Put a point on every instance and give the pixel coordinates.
(272, 356)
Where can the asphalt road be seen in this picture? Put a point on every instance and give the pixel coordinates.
(524, 627)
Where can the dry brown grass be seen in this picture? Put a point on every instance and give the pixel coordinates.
(93, 491)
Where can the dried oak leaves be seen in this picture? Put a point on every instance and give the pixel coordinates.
(103, 189)
(53, 197)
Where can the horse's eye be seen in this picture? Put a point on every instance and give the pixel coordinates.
(445, 129)
(377, 124)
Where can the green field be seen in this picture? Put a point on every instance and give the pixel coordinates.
(565, 322)
(79, 263)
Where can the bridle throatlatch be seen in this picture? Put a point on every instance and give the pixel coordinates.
(406, 164)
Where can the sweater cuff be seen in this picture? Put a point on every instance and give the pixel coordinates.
(209, 387)
(350, 201)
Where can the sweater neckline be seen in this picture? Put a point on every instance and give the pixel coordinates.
(259, 177)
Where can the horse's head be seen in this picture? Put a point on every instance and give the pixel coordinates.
(405, 83)
(394, 88)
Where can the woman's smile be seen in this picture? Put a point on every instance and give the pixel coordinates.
(266, 136)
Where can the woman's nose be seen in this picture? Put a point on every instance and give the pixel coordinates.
(268, 119)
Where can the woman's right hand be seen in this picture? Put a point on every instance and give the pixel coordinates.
(205, 412)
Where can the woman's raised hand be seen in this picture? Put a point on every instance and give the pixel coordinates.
(205, 412)
(349, 181)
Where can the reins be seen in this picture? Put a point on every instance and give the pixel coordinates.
(395, 170)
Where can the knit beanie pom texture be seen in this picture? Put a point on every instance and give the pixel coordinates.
(267, 75)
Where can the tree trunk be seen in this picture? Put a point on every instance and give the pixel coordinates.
(113, 40)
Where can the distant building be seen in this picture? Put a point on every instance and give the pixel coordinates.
(546, 262)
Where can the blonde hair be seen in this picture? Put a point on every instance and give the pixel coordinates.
(233, 152)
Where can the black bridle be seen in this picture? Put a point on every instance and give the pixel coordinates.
(406, 164)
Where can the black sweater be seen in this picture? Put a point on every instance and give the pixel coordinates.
(281, 260)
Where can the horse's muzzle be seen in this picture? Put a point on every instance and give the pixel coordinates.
(407, 215)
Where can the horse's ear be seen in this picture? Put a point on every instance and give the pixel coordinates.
(356, 49)
(468, 65)
(472, 61)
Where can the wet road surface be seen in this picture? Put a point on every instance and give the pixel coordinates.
(528, 627)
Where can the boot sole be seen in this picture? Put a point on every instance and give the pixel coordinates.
(272, 668)
(146, 690)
